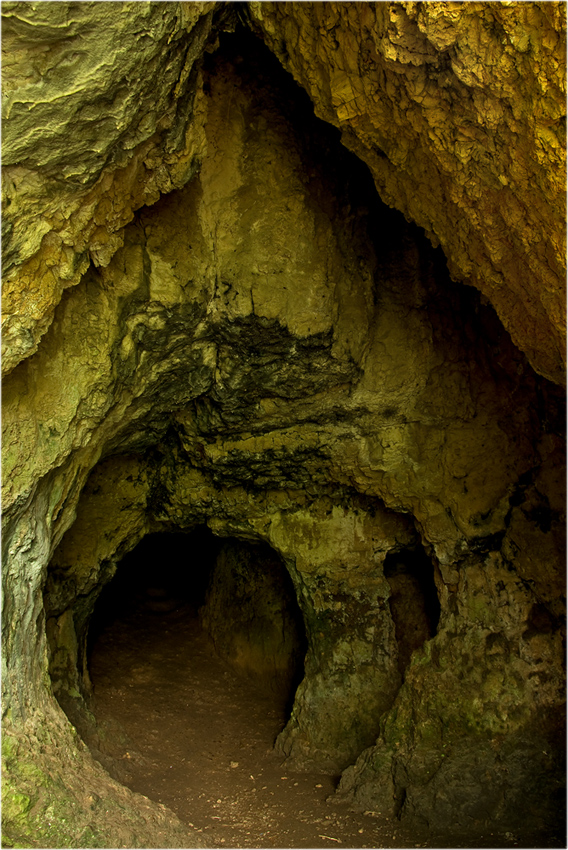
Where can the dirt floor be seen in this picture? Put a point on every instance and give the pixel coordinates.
(185, 730)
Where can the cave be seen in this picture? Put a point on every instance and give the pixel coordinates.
(176, 601)
(164, 570)
(414, 603)
(238, 591)
(283, 357)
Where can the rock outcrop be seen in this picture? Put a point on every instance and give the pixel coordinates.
(251, 613)
(212, 317)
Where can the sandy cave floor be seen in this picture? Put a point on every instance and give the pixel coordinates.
(182, 728)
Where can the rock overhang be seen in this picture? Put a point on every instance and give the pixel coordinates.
(412, 108)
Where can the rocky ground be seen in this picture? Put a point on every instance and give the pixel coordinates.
(181, 727)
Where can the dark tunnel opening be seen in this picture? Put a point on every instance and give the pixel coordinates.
(162, 572)
(414, 602)
(238, 593)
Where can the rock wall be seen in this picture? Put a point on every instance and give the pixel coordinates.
(270, 349)
(251, 613)
(459, 112)
(99, 101)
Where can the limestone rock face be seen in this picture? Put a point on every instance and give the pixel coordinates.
(97, 109)
(459, 112)
(269, 349)
(250, 612)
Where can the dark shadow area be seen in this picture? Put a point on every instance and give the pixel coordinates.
(238, 592)
(164, 571)
(414, 602)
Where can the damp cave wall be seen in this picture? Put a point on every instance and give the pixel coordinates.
(217, 319)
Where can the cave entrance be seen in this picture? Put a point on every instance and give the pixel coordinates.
(414, 602)
(162, 573)
(195, 651)
(239, 592)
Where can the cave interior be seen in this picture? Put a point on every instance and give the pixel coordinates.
(330, 454)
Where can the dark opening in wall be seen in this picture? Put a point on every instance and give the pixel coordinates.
(238, 592)
(195, 650)
(414, 602)
(161, 573)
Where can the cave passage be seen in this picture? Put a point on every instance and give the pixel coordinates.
(238, 592)
(414, 603)
(196, 647)
(164, 571)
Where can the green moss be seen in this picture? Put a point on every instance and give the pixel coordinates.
(55, 825)
(29, 771)
(15, 805)
(9, 748)
(46, 803)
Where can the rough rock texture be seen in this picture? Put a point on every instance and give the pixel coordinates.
(251, 613)
(271, 350)
(99, 102)
(460, 112)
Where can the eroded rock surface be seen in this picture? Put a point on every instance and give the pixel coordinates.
(269, 349)
(99, 100)
(459, 111)
(251, 613)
